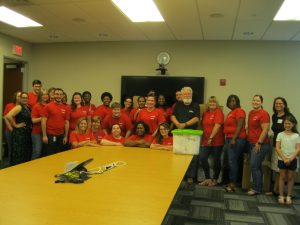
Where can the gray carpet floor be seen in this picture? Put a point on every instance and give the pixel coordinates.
(197, 205)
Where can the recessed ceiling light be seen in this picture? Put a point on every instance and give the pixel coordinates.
(139, 10)
(289, 10)
(16, 19)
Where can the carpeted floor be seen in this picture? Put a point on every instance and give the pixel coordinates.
(197, 205)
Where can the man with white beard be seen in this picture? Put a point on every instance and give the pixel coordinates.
(186, 115)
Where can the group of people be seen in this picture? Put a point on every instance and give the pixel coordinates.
(41, 123)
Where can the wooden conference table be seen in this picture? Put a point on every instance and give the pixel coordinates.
(135, 194)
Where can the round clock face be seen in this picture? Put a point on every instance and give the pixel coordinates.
(163, 58)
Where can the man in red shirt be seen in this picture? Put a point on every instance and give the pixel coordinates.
(33, 95)
(103, 110)
(116, 117)
(55, 124)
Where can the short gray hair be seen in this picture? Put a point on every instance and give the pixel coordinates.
(187, 89)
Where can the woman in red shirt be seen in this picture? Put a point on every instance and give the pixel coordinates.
(162, 104)
(77, 110)
(212, 141)
(258, 128)
(235, 132)
(141, 137)
(128, 106)
(82, 136)
(114, 138)
(96, 128)
(162, 140)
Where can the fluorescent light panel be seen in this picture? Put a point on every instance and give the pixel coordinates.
(139, 10)
(289, 10)
(16, 19)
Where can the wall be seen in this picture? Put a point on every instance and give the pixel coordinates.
(250, 67)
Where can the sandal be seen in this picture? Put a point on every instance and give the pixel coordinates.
(281, 199)
(206, 182)
(212, 183)
(251, 192)
(229, 188)
(289, 200)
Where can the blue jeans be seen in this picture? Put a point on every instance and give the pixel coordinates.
(216, 152)
(235, 153)
(37, 145)
(256, 160)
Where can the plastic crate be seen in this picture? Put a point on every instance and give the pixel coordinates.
(186, 141)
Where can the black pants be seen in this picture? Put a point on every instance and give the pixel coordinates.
(54, 145)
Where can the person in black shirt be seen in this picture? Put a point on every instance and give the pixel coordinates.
(186, 115)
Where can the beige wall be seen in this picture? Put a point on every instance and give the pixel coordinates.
(269, 68)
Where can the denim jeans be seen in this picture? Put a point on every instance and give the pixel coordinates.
(36, 145)
(256, 160)
(216, 152)
(235, 154)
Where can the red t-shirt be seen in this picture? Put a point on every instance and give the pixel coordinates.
(255, 119)
(134, 113)
(98, 136)
(32, 99)
(109, 137)
(126, 112)
(56, 115)
(230, 123)
(167, 113)
(75, 115)
(209, 119)
(7, 108)
(102, 111)
(148, 138)
(36, 112)
(90, 109)
(152, 119)
(123, 121)
(165, 141)
(78, 137)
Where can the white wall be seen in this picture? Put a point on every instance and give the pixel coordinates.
(250, 67)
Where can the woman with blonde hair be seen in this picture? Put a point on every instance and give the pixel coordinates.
(82, 136)
(212, 141)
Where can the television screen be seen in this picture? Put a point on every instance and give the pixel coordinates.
(141, 85)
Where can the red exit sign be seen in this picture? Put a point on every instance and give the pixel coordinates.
(17, 50)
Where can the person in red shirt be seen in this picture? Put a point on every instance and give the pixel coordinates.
(128, 102)
(36, 117)
(116, 117)
(141, 137)
(96, 129)
(82, 136)
(8, 128)
(33, 95)
(77, 110)
(90, 108)
(258, 128)
(151, 115)
(103, 110)
(114, 138)
(212, 141)
(162, 140)
(163, 106)
(51, 94)
(135, 111)
(55, 125)
(235, 132)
